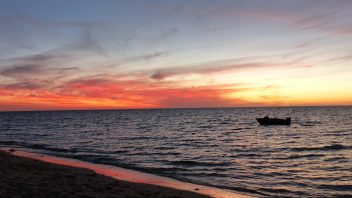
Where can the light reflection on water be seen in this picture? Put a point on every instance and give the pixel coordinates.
(219, 147)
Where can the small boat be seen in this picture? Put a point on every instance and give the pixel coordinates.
(273, 121)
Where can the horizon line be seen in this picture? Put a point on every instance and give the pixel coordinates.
(166, 108)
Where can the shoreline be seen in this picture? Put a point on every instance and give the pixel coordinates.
(133, 178)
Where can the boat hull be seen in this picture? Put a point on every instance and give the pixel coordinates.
(274, 121)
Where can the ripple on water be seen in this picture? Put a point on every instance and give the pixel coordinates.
(217, 147)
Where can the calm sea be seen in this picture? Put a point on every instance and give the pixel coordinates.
(225, 148)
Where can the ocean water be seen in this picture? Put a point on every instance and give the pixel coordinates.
(222, 147)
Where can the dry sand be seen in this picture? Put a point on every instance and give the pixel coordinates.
(23, 177)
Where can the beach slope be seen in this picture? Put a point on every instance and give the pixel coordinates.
(24, 177)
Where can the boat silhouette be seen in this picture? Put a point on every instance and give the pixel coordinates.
(273, 121)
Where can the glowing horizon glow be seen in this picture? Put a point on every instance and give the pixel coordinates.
(174, 54)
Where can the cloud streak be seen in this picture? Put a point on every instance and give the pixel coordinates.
(35, 71)
(218, 66)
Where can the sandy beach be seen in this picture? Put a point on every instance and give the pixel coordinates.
(23, 177)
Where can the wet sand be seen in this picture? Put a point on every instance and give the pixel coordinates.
(27, 174)
(23, 177)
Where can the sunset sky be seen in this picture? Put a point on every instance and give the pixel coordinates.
(169, 54)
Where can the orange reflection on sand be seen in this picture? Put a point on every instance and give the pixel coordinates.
(130, 175)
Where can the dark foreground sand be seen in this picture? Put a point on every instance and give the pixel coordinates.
(23, 177)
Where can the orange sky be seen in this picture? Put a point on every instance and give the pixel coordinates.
(174, 54)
